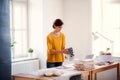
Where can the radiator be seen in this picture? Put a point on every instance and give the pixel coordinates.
(25, 66)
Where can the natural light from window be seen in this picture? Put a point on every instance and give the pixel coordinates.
(106, 22)
(19, 28)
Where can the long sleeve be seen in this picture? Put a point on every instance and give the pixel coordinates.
(63, 41)
(54, 44)
(50, 48)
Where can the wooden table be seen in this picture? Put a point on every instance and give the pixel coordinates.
(89, 73)
(22, 76)
(104, 68)
(39, 75)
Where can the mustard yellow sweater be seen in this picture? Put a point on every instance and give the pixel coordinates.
(53, 44)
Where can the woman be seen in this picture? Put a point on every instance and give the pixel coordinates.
(56, 45)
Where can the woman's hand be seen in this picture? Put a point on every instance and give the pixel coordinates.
(65, 51)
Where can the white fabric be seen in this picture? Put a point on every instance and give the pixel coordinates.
(67, 75)
(67, 72)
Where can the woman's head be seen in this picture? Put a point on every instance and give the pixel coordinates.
(58, 23)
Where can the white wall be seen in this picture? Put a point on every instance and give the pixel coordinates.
(77, 18)
(76, 15)
(36, 23)
(36, 26)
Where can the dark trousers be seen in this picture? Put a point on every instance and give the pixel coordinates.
(53, 64)
(76, 77)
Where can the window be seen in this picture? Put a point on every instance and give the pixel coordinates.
(107, 22)
(111, 24)
(19, 28)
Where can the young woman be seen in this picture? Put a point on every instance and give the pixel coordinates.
(56, 45)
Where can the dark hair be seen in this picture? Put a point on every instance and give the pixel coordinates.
(57, 22)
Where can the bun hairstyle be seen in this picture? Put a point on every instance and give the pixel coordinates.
(57, 22)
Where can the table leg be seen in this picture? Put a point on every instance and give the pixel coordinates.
(118, 71)
(91, 75)
(95, 76)
(88, 77)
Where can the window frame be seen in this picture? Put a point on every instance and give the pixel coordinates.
(104, 31)
(12, 2)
